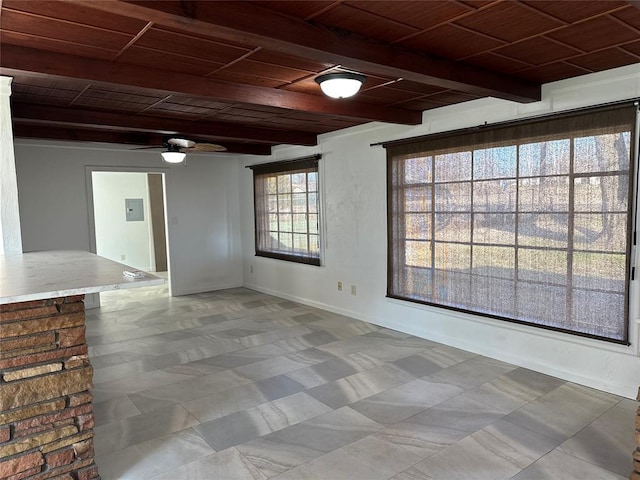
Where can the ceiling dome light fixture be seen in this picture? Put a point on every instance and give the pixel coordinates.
(341, 84)
(173, 154)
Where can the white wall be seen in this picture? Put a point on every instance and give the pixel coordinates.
(201, 198)
(353, 179)
(116, 238)
(10, 240)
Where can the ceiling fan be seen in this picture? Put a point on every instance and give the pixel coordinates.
(177, 148)
(190, 146)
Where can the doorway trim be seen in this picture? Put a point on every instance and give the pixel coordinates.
(88, 171)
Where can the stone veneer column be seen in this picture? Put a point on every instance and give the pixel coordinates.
(636, 453)
(46, 410)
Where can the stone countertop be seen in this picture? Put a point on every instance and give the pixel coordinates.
(50, 274)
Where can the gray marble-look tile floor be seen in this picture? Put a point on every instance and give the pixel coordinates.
(239, 385)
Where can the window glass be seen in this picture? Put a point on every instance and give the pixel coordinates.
(286, 211)
(527, 222)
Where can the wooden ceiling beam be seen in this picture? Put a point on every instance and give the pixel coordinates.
(56, 64)
(74, 134)
(235, 21)
(218, 131)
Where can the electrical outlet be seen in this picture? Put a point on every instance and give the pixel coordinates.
(339, 286)
(353, 289)
(250, 268)
(123, 257)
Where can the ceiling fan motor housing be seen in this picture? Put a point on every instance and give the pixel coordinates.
(172, 147)
(181, 143)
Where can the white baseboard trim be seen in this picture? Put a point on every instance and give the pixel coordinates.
(628, 391)
(313, 303)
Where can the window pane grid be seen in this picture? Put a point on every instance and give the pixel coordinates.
(286, 215)
(509, 223)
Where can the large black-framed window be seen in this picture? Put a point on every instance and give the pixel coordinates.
(529, 222)
(287, 217)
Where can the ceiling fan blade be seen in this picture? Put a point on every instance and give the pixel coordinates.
(182, 144)
(147, 148)
(206, 147)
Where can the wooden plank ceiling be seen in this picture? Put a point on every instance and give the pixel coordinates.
(241, 74)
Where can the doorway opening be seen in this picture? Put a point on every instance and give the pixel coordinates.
(128, 216)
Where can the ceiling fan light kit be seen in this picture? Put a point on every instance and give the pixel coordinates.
(173, 157)
(340, 84)
(173, 154)
(175, 147)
